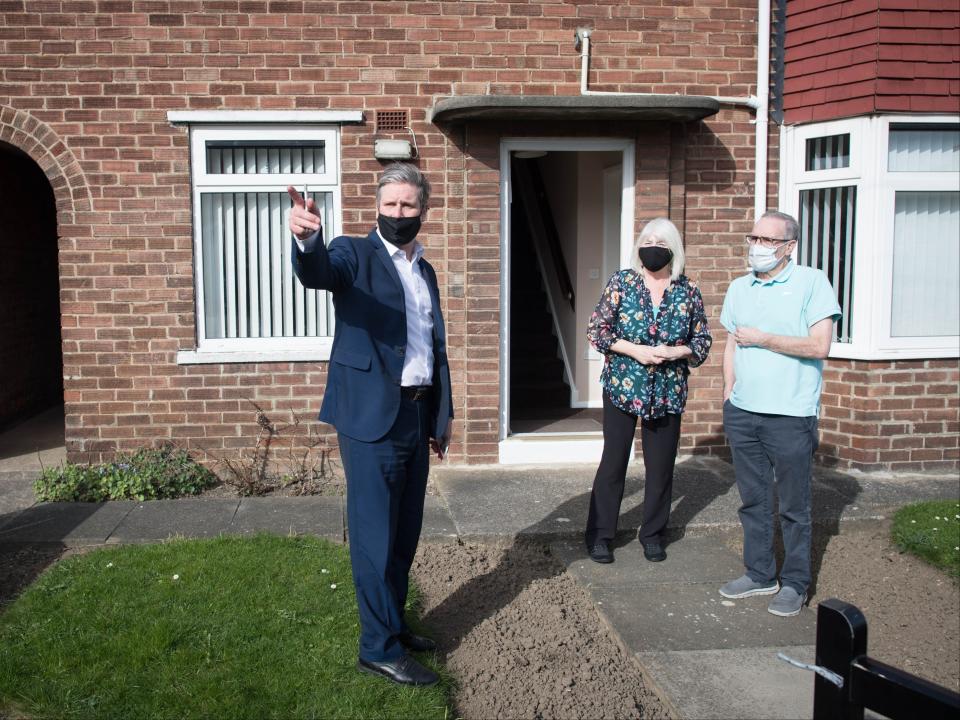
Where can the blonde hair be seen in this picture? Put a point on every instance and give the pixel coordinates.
(662, 229)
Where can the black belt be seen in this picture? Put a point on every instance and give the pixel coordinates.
(415, 392)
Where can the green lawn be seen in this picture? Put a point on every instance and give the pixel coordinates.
(225, 628)
(931, 530)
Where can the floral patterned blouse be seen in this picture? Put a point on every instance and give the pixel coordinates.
(626, 312)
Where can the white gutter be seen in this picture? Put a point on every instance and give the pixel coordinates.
(758, 102)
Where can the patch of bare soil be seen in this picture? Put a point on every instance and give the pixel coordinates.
(912, 609)
(522, 638)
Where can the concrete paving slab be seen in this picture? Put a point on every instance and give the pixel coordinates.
(701, 559)
(553, 501)
(894, 492)
(694, 616)
(702, 501)
(497, 501)
(161, 519)
(71, 524)
(34, 444)
(748, 683)
(16, 492)
(438, 524)
(314, 515)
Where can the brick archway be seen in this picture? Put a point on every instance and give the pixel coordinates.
(59, 164)
(48, 214)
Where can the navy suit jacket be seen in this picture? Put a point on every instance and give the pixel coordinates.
(362, 396)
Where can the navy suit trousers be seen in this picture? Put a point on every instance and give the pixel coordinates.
(386, 485)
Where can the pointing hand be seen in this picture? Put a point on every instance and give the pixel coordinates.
(304, 220)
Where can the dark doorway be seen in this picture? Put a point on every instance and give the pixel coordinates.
(31, 355)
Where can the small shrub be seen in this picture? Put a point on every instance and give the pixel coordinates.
(285, 456)
(147, 474)
(930, 530)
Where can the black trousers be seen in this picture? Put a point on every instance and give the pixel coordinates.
(659, 438)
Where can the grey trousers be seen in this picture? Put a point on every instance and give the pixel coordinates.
(773, 453)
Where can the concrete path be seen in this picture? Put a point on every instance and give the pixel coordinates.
(707, 657)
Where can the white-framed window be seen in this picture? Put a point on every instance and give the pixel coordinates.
(878, 202)
(249, 304)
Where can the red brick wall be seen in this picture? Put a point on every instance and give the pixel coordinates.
(893, 415)
(855, 57)
(30, 354)
(85, 88)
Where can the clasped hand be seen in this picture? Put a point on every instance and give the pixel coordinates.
(654, 355)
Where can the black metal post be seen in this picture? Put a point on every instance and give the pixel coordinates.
(841, 637)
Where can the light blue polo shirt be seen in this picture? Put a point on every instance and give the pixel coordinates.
(788, 304)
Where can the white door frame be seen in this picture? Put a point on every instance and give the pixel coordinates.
(509, 145)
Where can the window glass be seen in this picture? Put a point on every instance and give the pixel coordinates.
(926, 258)
(915, 148)
(240, 157)
(828, 152)
(249, 289)
(827, 231)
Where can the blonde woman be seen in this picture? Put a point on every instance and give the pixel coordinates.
(651, 326)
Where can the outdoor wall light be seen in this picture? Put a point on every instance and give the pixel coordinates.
(384, 149)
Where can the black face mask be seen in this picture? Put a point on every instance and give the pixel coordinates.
(655, 258)
(398, 231)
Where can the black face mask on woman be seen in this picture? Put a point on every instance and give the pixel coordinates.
(398, 231)
(655, 258)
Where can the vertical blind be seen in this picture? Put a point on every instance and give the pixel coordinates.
(923, 149)
(249, 289)
(828, 152)
(238, 157)
(827, 232)
(926, 255)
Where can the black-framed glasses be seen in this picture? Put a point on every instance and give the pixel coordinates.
(767, 242)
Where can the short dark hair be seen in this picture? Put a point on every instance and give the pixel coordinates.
(408, 174)
(791, 226)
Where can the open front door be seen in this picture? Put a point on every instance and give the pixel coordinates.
(564, 232)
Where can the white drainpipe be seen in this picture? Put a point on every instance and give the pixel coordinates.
(758, 102)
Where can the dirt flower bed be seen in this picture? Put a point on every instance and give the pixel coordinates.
(522, 638)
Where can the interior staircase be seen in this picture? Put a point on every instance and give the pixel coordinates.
(538, 389)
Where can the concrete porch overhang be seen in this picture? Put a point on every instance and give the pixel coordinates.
(672, 108)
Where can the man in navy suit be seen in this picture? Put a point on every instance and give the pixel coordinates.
(388, 396)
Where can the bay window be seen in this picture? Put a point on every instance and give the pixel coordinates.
(878, 202)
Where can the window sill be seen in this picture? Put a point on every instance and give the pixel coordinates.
(844, 351)
(223, 357)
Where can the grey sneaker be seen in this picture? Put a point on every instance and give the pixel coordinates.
(787, 603)
(743, 587)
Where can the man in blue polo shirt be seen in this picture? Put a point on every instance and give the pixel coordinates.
(780, 323)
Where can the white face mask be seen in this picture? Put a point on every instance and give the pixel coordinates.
(763, 259)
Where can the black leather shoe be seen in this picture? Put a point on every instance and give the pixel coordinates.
(404, 670)
(416, 643)
(600, 552)
(653, 552)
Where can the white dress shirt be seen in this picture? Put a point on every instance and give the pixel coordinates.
(418, 355)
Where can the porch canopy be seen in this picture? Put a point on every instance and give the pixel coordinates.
(673, 108)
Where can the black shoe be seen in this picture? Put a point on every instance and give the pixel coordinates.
(653, 552)
(404, 670)
(416, 643)
(600, 552)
